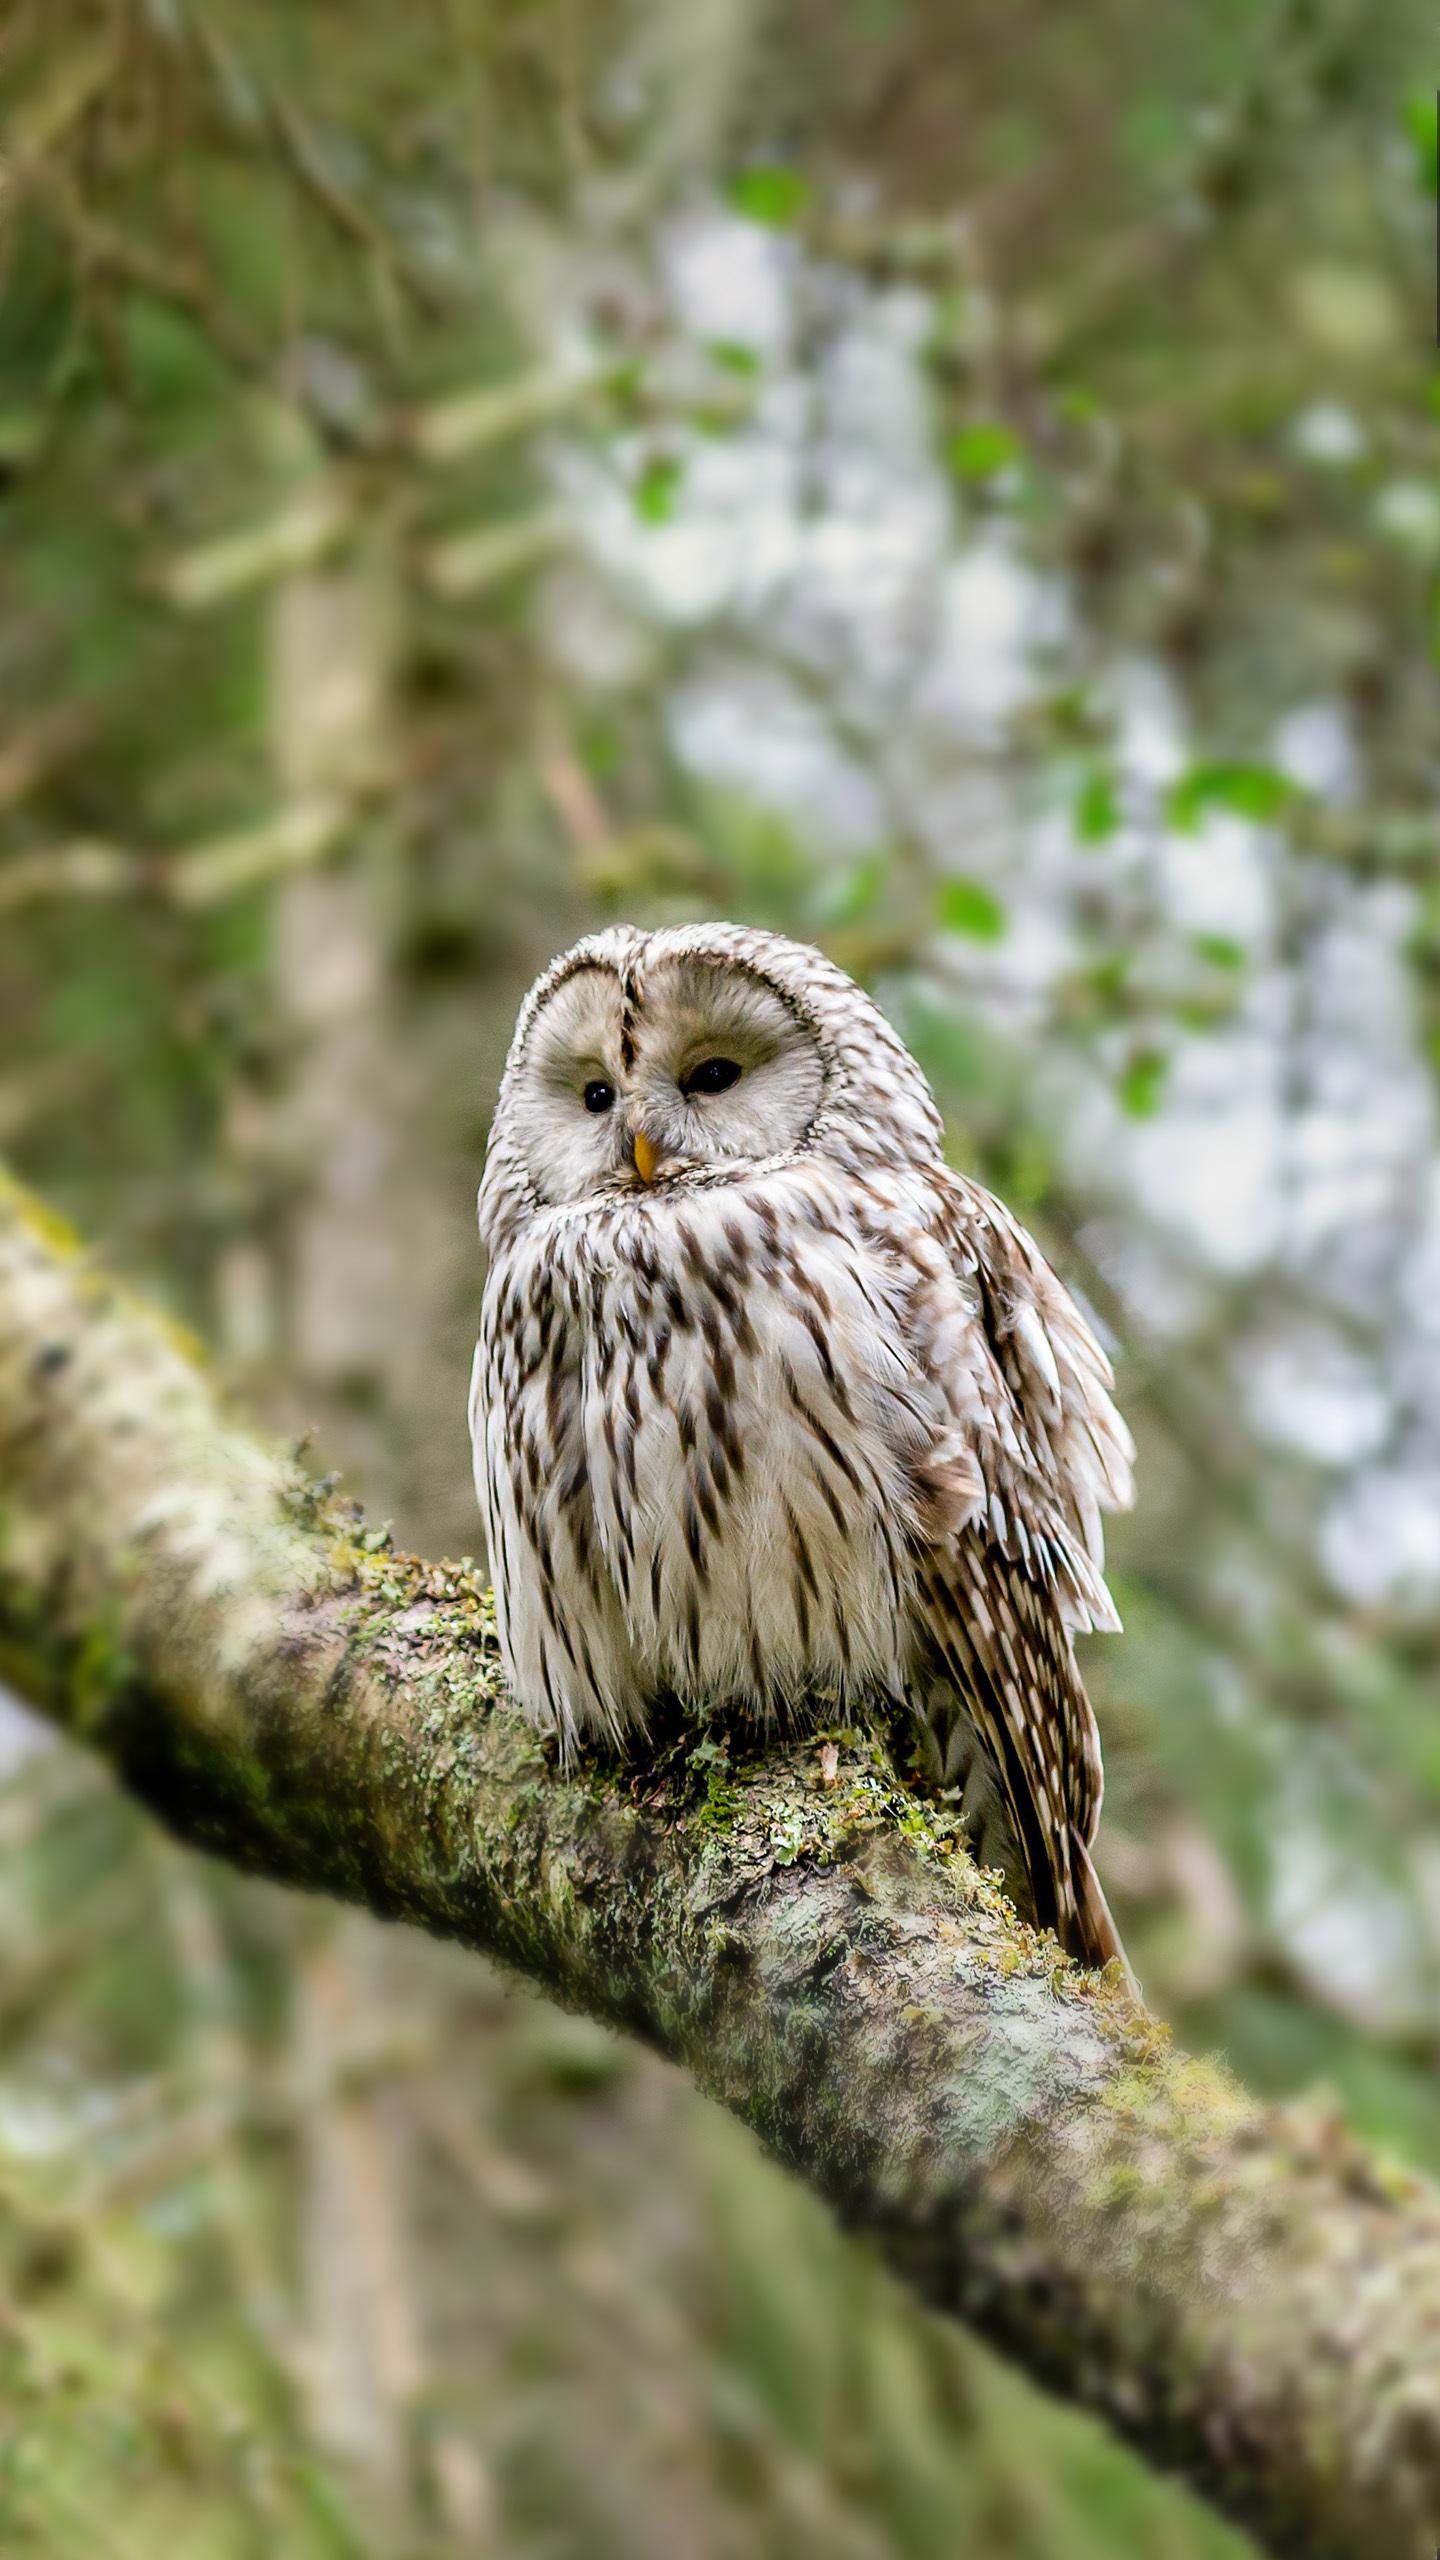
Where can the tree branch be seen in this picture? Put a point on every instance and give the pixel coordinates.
(1248, 2294)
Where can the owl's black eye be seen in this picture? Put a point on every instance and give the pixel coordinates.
(713, 1075)
(599, 1096)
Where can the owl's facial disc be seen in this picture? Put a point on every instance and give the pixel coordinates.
(690, 1066)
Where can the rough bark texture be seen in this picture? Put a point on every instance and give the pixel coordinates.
(1248, 2294)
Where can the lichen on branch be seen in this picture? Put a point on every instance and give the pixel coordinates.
(1250, 2295)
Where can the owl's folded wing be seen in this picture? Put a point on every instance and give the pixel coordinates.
(1004, 1585)
(1031, 1392)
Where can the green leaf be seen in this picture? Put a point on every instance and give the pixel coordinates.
(626, 383)
(657, 491)
(1108, 979)
(1097, 806)
(1258, 791)
(733, 356)
(1205, 1013)
(953, 1051)
(1219, 949)
(169, 360)
(968, 907)
(979, 451)
(600, 748)
(849, 896)
(1142, 1085)
(770, 194)
(22, 438)
(1422, 123)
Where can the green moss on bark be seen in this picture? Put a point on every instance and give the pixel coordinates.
(1252, 2296)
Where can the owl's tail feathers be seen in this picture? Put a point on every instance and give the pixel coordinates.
(1089, 1934)
(954, 1759)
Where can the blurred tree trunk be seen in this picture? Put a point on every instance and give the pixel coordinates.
(332, 932)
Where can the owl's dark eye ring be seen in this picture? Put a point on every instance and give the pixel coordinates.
(713, 1075)
(598, 1095)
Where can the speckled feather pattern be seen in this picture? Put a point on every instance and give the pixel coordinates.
(814, 1412)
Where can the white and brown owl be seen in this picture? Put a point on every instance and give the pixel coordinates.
(767, 1398)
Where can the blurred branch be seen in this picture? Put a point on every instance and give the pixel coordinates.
(470, 422)
(101, 249)
(307, 532)
(296, 838)
(1247, 2293)
(295, 537)
(343, 209)
(69, 871)
(466, 564)
(38, 128)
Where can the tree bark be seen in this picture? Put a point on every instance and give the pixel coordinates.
(1247, 2293)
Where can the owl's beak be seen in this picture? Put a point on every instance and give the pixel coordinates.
(647, 1160)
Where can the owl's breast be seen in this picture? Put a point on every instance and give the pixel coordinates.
(751, 1423)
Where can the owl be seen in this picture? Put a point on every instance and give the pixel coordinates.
(768, 1400)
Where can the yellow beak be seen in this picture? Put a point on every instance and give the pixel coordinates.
(646, 1158)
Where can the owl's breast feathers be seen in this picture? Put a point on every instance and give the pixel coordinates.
(809, 1427)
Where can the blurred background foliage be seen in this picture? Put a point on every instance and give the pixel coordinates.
(956, 480)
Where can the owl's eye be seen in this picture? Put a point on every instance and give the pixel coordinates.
(598, 1095)
(713, 1075)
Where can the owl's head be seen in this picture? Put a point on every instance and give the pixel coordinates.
(659, 1061)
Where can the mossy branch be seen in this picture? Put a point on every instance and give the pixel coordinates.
(1248, 2294)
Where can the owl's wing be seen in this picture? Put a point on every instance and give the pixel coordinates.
(1007, 1580)
(1034, 1390)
